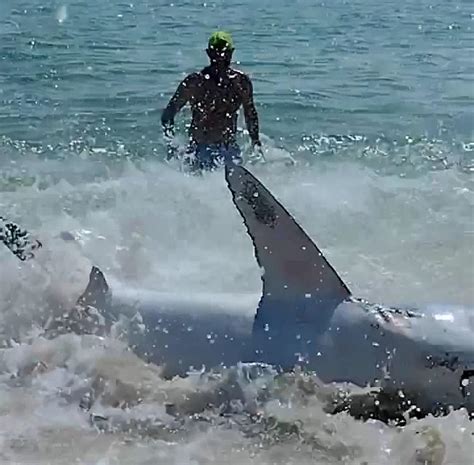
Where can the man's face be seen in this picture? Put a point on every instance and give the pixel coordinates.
(221, 58)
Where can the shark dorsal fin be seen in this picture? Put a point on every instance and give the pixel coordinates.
(294, 268)
(96, 291)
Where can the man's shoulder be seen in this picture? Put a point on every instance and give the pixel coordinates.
(238, 74)
(241, 79)
(193, 78)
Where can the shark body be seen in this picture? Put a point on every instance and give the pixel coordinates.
(306, 316)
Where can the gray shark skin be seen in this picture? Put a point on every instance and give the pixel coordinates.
(305, 316)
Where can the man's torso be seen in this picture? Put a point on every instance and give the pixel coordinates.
(215, 103)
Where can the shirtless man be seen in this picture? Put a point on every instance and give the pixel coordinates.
(215, 95)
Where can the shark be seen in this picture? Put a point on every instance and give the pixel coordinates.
(305, 317)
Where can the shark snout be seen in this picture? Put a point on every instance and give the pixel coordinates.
(454, 375)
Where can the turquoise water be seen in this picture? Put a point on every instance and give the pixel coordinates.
(98, 74)
(373, 99)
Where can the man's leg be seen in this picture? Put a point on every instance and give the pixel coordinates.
(209, 157)
(232, 155)
(204, 157)
(198, 157)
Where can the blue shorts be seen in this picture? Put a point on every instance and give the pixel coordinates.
(212, 156)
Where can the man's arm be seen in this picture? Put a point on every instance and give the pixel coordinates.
(180, 98)
(250, 112)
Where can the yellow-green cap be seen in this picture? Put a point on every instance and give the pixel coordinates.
(221, 40)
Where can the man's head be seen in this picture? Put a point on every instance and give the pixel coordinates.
(220, 49)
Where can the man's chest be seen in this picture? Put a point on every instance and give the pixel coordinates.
(223, 95)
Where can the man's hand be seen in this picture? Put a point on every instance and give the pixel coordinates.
(257, 148)
(168, 136)
(168, 132)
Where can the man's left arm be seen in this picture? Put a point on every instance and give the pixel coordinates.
(250, 112)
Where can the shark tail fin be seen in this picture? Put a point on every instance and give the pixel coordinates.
(96, 291)
(86, 316)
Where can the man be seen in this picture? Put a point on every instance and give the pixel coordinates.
(215, 95)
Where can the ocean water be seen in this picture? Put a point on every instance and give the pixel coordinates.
(374, 101)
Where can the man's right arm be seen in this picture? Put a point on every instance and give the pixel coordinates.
(180, 98)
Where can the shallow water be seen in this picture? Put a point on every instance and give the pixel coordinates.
(374, 101)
